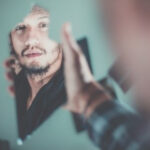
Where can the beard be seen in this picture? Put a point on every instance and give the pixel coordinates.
(34, 71)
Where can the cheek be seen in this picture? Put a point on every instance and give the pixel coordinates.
(18, 45)
(45, 42)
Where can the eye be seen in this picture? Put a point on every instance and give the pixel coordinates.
(43, 26)
(20, 28)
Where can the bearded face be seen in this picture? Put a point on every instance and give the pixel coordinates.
(31, 43)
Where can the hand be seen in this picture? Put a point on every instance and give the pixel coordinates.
(81, 87)
(12, 67)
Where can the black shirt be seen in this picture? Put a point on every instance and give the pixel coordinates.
(48, 99)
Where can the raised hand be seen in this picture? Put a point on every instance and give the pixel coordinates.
(82, 89)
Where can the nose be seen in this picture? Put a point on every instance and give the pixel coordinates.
(31, 42)
(32, 39)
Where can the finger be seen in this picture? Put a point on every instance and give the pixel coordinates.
(72, 70)
(9, 76)
(9, 62)
(11, 90)
(74, 54)
(17, 68)
(12, 64)
(68, 41)
(66, 107)
(69, 108)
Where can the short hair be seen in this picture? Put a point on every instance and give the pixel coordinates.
(36, 9)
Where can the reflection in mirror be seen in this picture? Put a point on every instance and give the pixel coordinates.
(37, 65)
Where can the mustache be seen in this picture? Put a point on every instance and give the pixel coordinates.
(37, 47)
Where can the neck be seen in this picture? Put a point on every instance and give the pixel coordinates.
(36, 82)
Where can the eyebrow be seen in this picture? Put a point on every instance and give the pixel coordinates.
(43, 17)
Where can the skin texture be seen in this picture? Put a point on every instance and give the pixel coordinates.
(35, 50)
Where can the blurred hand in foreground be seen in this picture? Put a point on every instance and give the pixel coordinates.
(83, 92)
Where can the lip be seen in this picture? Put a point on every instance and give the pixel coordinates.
(31, 55)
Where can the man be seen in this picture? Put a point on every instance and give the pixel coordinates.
(37, 65)
(110, 125)
(36, 62)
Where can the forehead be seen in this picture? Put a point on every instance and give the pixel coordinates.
(36, 14)
(35, 17)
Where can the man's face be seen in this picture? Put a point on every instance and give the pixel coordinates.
(31, 43)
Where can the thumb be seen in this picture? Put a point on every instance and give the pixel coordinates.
(73, 53)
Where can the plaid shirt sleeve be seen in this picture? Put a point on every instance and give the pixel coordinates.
(113, 127)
